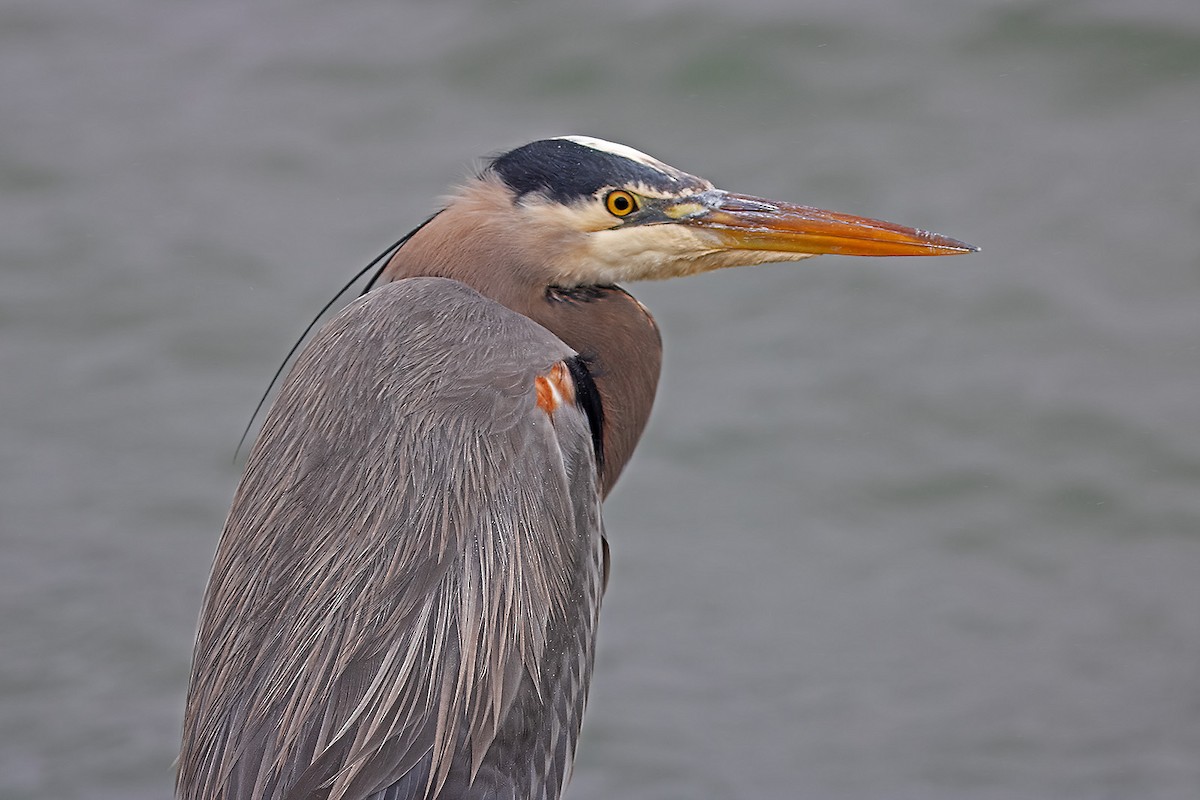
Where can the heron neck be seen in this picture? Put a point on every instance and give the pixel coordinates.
(621, 344)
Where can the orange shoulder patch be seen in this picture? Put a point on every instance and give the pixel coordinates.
(554, 388)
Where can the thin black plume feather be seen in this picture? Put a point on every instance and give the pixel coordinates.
(382, 259)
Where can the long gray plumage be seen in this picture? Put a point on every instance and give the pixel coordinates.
(450, 656)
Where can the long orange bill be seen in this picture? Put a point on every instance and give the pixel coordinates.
(743, 222)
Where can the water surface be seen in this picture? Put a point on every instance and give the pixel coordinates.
(898, 529)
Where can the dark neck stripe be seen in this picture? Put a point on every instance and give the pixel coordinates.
(587, 397)
(586, 293)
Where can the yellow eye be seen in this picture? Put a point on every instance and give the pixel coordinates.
(620, 203)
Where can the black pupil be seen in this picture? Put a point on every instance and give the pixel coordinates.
(621, 203)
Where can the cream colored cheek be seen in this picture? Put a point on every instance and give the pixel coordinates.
(656, 251)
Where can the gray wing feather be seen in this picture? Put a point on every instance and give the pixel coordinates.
(404, 599)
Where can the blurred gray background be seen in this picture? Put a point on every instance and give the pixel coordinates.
(899, 529)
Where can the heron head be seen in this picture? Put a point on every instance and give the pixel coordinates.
(599, 213)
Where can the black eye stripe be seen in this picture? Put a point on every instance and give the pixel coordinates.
(567, 171)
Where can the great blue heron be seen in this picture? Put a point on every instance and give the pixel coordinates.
(404, 599)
